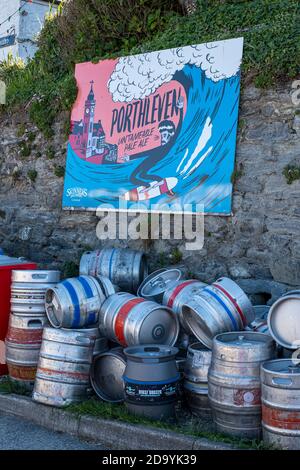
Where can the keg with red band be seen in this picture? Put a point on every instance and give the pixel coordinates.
(177, 291)
(121, 318)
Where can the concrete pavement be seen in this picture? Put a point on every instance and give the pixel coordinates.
(19, 434)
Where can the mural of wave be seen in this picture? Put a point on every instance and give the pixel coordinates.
(201, 158)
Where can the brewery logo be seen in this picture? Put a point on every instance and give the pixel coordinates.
(77, 193)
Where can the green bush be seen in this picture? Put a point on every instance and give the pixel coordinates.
(291, 173)
(32, 175)
(90, 30)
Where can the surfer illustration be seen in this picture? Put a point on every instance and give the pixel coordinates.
(141, 176)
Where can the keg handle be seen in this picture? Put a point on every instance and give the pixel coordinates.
(159, 282)
(83, 340)
(39, 276)
(35, 323)
(282, 381)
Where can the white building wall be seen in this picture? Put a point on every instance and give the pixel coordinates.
(7, 8)
(28, 23)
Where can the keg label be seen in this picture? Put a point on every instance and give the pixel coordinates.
(250, 397)
(150, 392)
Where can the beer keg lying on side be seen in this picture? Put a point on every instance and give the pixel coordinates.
(107, 375)
(130, 320)
(151, 379)
(124, 267)
(196, 382)
(220, 307)
(178, 294)
(76, 302)
(234, 388)
(281, 403)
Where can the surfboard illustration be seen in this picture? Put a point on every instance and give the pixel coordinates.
(141, 193)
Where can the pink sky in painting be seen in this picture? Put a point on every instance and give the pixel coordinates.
(100, 74)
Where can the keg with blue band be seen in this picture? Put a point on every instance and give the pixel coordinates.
(91, 319)
(227, 310)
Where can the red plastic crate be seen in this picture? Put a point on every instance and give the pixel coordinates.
(6, 267)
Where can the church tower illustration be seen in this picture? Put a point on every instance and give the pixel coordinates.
(88, 136)
(88, 122)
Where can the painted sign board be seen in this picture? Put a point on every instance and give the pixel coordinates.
(157, 130)
(8, 40)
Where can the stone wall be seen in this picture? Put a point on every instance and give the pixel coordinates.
(259, 245)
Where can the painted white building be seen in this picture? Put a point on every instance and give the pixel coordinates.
(20, 23)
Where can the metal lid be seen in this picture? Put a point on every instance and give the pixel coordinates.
(147, 279)
(160, 325)
(155, 285)
(282, 366)
(243, 346)
(151, 351)
(243, 339)
(284, 321)
(107, 375)
(36, 276)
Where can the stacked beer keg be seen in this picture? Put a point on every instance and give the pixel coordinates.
(27, 321)
(151, 341)
(73, 339)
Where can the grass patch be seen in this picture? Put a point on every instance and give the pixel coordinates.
(59, 171)
(32, 175)
(7, 386)
(70, 269)
(291, 173)
(97, 408)
(176, 256)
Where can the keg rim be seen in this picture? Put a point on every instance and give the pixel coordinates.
(261, 338)
(152, 277)
(52, 317)
(199, 346)
(117, 353)
(175, 324)
(157, 351)
(270, 367)
(272, 313)
(191, 318)
(140, 269)
(52, 276)
(147, 278)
